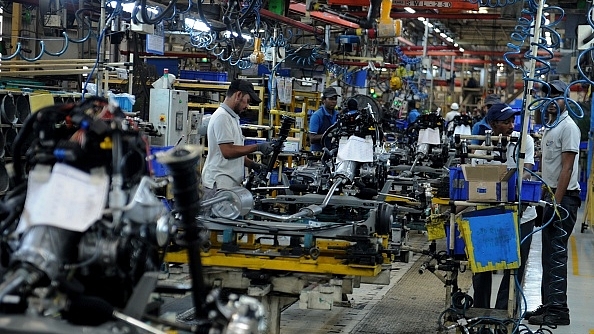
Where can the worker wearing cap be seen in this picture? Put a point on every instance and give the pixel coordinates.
(500, 118)
(323, 118)
(560, 156)
(227, 156)
(481, 126)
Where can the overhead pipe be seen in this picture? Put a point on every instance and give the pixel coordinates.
(417, 51)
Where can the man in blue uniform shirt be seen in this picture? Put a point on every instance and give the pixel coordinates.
(479, 127)
(323, 118)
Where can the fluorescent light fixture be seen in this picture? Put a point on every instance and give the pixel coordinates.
(461, 49)
(227, 34)
(455, 45)
(449, 39)
(437, 30)
(429, 24)
(421, 19)
(443, 35)
(192, 24)
(410, 10)
(126, 7)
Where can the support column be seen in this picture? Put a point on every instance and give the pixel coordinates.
(15, 25)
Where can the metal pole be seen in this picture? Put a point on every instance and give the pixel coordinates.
(100, 48)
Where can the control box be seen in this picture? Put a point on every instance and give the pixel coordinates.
(168, 112)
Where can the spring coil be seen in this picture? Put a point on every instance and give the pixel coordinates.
(522, 32)
(404, 58)
(411, 82)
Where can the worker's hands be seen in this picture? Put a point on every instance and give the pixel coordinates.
(265, 147)
(257, 167)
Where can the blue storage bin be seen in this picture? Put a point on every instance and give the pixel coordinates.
(459, 246)
(357, 79)
(124, 102)
(203, 75)
(273, 178)
(159, 170)
(458, 186)
(531, 190)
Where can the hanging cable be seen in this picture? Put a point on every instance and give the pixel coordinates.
(85, 22)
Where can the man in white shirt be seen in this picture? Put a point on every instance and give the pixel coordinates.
(227, 156)
(560, 156)
(500, 118)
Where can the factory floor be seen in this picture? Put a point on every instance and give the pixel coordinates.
(412, 302)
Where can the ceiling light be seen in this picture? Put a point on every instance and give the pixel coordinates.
(410, 10)
(192, 24)
(421, 19)
(461, 49)
(449, 39)
(455, 45)
(437, 30)
(443, 35)
(429, 24)
(228, 34)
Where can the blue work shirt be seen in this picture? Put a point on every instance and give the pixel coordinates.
(319, 122)
(479, 129)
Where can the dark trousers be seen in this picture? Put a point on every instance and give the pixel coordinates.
(482, 282)
(555, 239)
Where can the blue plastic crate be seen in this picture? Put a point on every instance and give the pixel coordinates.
(273, 178)
(203, 75)
(531, 190)
(159, 170)
(459, 246)
(124, 102)
(458, 186)
(357, 79)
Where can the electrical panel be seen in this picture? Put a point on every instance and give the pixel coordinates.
(168, 112)
(195, 124)
(54, 21)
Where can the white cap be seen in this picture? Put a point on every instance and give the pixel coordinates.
(454, 106)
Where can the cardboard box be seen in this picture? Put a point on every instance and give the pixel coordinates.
(487, 183)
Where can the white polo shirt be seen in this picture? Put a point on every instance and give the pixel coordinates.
(565, 137)
(223, 128)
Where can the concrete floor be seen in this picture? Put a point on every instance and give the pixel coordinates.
(369, 298)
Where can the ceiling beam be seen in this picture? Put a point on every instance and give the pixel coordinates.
(441, 17)
(291, 22)
(322, 16)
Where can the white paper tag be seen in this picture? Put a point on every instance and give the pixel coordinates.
(355, 149)
(64, 197)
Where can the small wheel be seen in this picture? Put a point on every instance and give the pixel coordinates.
(314, 252)
(206, 246)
